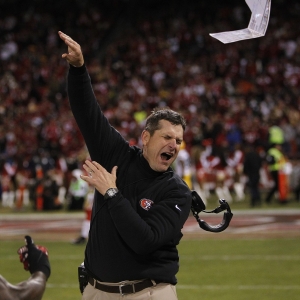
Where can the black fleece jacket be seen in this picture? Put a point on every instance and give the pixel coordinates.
(128, 239)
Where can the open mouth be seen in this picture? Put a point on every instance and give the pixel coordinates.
(166, 156)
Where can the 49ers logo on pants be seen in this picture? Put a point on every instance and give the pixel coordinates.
(146, 204)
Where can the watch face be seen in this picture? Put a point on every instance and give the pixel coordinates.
(111, 192)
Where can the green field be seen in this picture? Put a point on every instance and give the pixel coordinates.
(220, 267)
(223, 269)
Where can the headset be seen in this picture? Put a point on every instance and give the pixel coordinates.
(199, 206)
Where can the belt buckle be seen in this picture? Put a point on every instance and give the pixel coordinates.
(121, 286)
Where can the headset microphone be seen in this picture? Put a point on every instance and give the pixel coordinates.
(199, 206)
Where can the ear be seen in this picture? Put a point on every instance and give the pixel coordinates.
(145, 136)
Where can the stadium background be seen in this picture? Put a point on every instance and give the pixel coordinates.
(250, 83)
(140, 56)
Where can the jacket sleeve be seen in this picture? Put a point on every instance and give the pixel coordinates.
(101, 138)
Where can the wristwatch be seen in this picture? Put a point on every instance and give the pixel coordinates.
(110, 193)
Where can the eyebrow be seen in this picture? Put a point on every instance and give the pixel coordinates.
(171, 137)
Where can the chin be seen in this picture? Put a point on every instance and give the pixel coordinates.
(160, 168)
(164, 168)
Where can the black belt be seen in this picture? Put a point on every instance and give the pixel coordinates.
(126, 288)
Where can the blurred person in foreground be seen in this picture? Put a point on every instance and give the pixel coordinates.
(35, 260)
(140, 204)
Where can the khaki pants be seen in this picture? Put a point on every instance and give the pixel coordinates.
(161, 291)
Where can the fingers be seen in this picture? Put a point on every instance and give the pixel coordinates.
(22, 250)
(114, 171)
(93, 167)
(88, 169)
(63, 36)
(74, 55)
(68, 40)
(28, 240)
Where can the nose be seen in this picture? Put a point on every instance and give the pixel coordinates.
(173, 144)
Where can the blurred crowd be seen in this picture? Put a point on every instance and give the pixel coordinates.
(139, 57)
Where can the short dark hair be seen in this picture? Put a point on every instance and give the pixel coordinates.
(165, 113)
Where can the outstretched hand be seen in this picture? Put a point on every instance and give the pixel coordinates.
(74, 56)
(34, 257)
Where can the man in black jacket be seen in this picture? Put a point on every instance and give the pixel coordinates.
(35, 260)
(140, 204)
